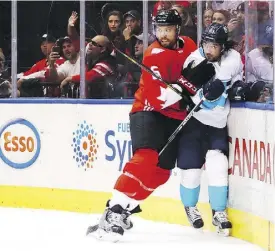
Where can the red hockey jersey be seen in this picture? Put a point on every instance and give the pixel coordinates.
(168, 64)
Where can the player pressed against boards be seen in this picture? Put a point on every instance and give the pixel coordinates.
(157, 111)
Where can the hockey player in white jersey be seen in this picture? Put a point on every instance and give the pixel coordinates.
(204, 138)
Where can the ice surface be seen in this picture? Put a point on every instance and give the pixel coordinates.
(39, 230)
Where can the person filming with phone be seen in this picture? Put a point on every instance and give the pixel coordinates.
(65, 48)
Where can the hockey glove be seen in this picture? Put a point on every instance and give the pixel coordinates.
(187, 90)
(213, 93)
(213, 90)
(259, 91)
(239, 91)
(200, 74)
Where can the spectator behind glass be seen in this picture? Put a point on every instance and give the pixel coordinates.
(39, 69)
(163, 5)
(112, 29)
(47, 42)
(260, 65)
(130, 82)
(187, 26)
(132, 21)
(260, 60)
(70, 67)
(101, 65)
(236, 23)
(207, 17)
(225, 5)
(236, 30)
(221, 17)
(263, 11)
(134, 70)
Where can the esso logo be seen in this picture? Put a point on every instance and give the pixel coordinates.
(19, 144)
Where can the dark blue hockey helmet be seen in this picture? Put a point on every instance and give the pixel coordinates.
(215, 33)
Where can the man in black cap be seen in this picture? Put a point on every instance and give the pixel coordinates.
(47, 42)
(132, 21)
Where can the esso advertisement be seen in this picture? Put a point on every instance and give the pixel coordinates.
(20, 143)
(119, 144)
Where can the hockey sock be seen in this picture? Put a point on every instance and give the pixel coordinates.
(217, 171)
(218, 197)
(189, 197)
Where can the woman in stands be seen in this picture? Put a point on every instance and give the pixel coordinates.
(112, 28)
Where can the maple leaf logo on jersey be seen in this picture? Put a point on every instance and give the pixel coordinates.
(168, 96)
(157, 51)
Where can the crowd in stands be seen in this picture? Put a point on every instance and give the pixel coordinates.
(109, 74)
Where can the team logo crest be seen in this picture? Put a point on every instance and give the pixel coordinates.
(268, 29)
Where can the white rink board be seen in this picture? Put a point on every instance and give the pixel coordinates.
(55, 166)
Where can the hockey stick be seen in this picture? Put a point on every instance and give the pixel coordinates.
(213, 90)
(140, 65)
(182, 124)
(95, 227)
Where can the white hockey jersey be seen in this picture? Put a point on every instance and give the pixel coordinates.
(229, 70)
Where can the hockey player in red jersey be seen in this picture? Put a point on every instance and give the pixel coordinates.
(156, 113)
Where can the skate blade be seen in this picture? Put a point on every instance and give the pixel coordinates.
(102, 235)
(92, 229)
(223, 232)
(198, 230)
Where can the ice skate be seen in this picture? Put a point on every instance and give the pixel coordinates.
(109, 227)
(194, 217)
(126, 222)
(220, 220)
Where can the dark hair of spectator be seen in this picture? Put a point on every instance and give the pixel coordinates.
(225, 13)
(116, 37)
(106, 31)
